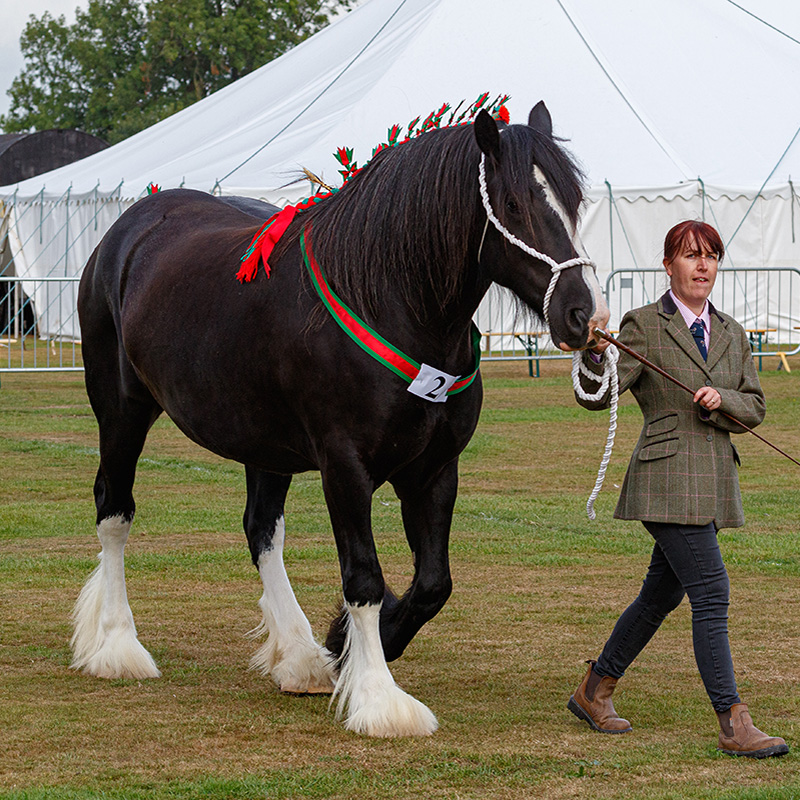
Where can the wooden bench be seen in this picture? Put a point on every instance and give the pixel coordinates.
(528, 339)
(767, 354)
(758, 338)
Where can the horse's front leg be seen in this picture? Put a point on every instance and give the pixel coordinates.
(290, 655)
(427, 508)
(368, 697)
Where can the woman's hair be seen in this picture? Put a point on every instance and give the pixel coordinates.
(692, 232)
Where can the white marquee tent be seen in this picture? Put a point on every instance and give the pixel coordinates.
(675, 108)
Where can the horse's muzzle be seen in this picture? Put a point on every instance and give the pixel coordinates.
(599, 319)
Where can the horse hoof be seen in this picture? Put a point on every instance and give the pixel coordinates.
(120, 656)
(309, 669)
(309, 687)
(395, 714)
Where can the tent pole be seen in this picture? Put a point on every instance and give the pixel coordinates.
(66, 231)
(611, 222)
(702, 198)
(758, 193)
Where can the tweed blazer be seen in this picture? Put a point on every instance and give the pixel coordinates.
(683, 468)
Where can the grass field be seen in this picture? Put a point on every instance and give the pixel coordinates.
(537, 588)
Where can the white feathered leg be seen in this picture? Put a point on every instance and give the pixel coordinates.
(104, 640)
(296, 662)
(373, 703)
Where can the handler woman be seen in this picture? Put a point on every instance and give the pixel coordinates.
(682, 482)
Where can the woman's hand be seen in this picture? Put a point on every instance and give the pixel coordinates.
(600, 347)
(708, 397)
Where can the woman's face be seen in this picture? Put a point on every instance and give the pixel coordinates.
(692, 274)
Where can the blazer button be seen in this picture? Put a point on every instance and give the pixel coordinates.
(708, 383)
(709, 438)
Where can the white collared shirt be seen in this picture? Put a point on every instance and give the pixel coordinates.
(690, 317)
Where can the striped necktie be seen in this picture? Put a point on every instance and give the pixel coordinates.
(698, 330)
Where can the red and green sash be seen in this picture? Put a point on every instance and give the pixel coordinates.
(368, 339)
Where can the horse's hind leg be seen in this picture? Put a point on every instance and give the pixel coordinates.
(296, 662)
(104, 640)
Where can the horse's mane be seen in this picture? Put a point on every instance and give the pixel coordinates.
(404, 226)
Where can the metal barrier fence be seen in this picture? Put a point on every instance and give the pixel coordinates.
(765, 301)
(23, 346)
(511, 334)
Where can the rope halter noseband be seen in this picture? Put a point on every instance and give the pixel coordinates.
(556, 268)
(611, 355)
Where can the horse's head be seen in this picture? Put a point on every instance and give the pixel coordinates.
(531, 191)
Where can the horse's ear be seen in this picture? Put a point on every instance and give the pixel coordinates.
(487, 135)
(539, 119)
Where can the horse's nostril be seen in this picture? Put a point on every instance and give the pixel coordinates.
(577, 320)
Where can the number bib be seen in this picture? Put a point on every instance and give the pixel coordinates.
(432, 384)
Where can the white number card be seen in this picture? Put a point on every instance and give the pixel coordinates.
(432, 384)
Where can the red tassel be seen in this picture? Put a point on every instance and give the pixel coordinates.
(280, 222)
(249, 267)
(263, 244)
(268, 235)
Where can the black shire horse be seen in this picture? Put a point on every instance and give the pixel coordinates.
(262, 373)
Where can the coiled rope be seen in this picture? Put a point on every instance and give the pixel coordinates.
(609, 375)
(611, 354)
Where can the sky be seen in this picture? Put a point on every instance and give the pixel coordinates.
(14, 15)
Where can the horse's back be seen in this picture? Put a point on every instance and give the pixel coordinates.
(162, 285)
(131, 245)
(251, 205)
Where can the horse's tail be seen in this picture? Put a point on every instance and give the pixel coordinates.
(95, 312)
(102, 285)
(108, 371)
(87, 295)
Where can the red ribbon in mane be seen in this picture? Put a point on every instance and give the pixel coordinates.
(268, 235)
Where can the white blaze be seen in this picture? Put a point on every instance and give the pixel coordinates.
(600, 313)
(553, 202)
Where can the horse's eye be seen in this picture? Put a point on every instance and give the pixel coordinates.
(512, 206)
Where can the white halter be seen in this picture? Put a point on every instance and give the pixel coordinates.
(611, 355)
(556, 268)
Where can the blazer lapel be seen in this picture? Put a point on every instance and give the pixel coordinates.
(720, 336)
(677, 329)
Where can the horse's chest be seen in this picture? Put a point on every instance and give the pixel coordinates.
(427, 431)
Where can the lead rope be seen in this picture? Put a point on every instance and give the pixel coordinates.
(611, 355)
(609, 375)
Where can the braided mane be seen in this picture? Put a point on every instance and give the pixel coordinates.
(404, 227)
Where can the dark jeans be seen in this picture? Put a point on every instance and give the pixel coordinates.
(686, 560)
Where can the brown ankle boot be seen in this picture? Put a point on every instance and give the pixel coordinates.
(592, 703)
(740, 737)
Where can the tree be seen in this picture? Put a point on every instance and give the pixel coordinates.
(126, 64)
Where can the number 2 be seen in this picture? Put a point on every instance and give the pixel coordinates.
(433, 393)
